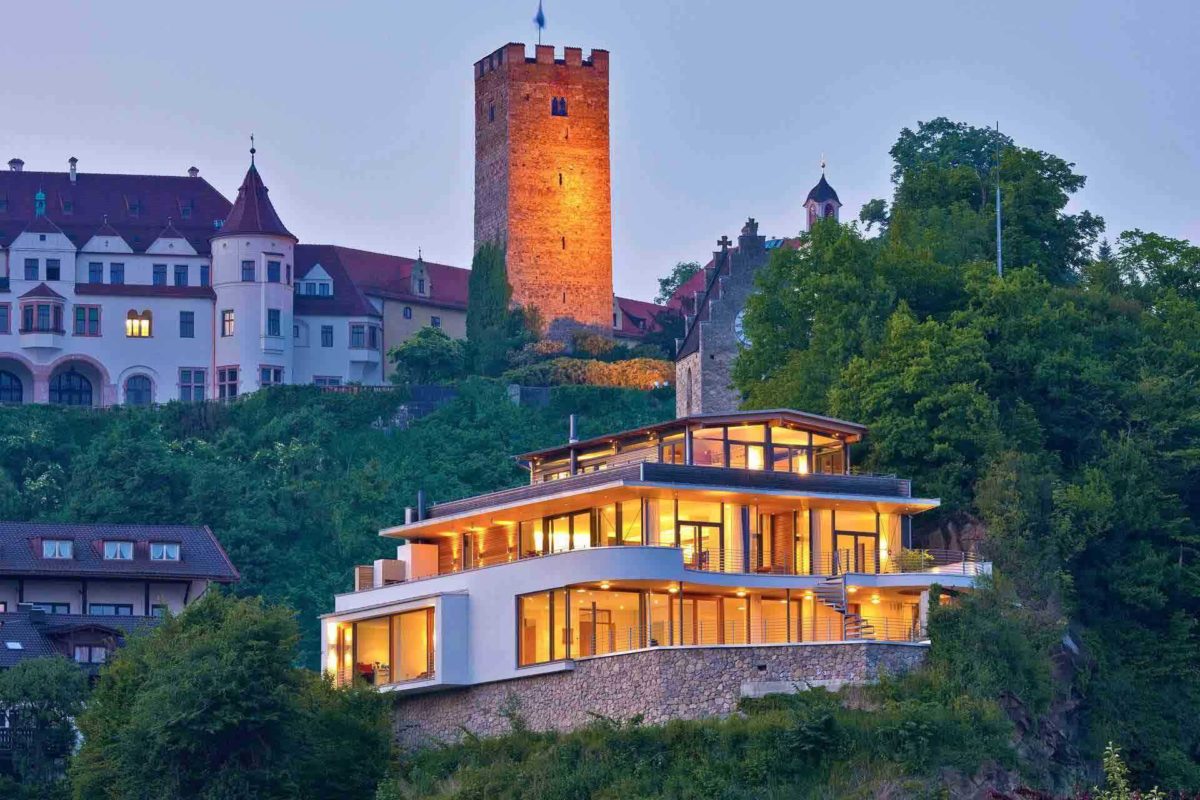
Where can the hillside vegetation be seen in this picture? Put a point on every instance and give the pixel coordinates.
(295, 482)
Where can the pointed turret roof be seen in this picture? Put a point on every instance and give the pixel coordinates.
(252, 212)
(823, 192)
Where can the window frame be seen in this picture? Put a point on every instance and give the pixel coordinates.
(95, 272)
(56, 265)
(116, 273)
(158, 275)
(228, 323)
(228, 381)
(190, 385)
(32, 264)
(118, 609)
(139, 324)
(187, 331)
(86, 328)
(164, 546)
(248, 268)
(5, 318)
(326, 329)
(179, 275)
(118, 550)
(57, 543)
(274, 322)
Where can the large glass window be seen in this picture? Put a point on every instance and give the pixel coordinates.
(708, 447)
(829, 455)
(139, 326)
(139, 391)
(605, 622)
(11, 389)
(414, 645)
(372, 663)
(70, 389)
(543, 628)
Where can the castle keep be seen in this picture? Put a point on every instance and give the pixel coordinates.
(542, 185)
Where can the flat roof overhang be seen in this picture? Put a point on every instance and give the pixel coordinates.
(634, 484)
(839, 428)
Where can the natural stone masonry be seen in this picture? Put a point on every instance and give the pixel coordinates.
(542, 184)
(659, 684)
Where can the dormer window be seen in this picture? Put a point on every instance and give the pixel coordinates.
(58, 548)
(420, 286)
(164, 551)
(118, 551)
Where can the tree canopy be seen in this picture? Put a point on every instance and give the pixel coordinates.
(1054, 410)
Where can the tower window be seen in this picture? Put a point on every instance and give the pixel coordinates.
(560, 179)
(564, 243)
(491, 113)
(558, 106)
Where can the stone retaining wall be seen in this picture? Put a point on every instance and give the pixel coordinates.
(660, 684)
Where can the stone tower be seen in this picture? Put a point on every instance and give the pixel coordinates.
(542, 186)
(252, 258)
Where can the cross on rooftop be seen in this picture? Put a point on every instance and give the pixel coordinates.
(724, 242)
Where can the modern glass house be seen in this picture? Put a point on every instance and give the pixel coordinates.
(736, 530)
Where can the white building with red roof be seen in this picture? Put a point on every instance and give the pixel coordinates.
(149, 288)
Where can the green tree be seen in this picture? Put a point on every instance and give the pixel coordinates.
(679, 275)
(429, 356)
(489, 315)
(209, 706)
(874, 212)
(43, 696)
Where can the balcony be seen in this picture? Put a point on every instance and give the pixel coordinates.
(42, 338)
(364, 355)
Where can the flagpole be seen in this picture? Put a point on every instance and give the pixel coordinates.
(999, 241)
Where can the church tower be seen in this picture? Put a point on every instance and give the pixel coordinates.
(822, 202)
(542, 185)
(252, 258)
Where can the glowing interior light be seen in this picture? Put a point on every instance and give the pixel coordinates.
(808, 595)
(851, 589)
(741, 592)
(875, 599)
(604, 584)
(673, 589)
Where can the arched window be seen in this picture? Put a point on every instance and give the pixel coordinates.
(139, 326)
(70, 389)
(11, 390)
(138, 391)
(829, 210)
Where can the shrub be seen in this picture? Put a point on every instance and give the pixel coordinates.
(636, 373)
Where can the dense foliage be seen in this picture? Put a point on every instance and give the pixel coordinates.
(42, 697)
(1055, 410)
(631, 373)
(891, 740)
(428, 356)
(295, 482)
(209, 706)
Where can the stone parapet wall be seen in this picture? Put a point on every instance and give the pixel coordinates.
(659, 684)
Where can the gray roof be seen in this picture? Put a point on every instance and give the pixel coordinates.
(34, 631)
(200, 555)
(823, 191)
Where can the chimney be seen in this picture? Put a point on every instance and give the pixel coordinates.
(193, 172)
(409, 516)
(73, 161)
(16, 164)
(572, 436)
(420, 504)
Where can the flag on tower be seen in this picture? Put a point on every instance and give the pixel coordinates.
(540, 20)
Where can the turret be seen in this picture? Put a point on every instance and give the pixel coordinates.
(822, 202)
(252, 258)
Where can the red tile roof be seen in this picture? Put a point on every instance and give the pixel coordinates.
(136, 207)
(634, 310)
(253, 212)
(376, 275)
(347, 299)
(42, 290)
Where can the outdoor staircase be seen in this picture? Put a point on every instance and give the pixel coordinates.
(832, 592)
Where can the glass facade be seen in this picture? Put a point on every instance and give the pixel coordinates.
(382, 650)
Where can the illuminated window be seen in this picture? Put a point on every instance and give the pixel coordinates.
(138, 326)
(227, 322)
(118, 551)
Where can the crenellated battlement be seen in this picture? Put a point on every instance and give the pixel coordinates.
(541, 54)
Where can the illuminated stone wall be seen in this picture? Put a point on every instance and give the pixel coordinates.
(660, 684)
(542, 184)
